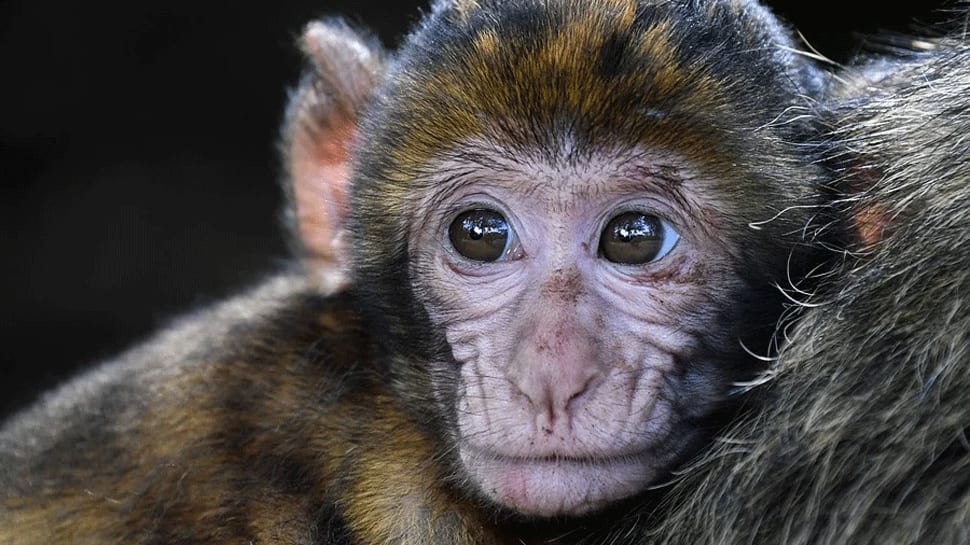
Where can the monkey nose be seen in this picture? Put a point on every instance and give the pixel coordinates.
(555, 388)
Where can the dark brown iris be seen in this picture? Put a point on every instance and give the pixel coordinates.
(480, 234)
(632, 238)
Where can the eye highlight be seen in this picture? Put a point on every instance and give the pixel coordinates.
(480, 234)
(636, 238)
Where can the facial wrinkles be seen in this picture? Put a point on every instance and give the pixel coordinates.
(640, 354)
(622, 411)
(638, 329)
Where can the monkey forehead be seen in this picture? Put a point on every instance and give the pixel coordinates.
(557, 180)
(527, 72)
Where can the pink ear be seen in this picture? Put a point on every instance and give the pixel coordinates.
(318, 138)
(319, 178)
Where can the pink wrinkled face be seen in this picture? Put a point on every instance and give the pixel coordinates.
(574, 298)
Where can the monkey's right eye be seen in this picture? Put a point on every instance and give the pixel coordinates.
(480, 234)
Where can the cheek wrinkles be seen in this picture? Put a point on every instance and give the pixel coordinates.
(640, 363)
(483, 356)
(643, 345)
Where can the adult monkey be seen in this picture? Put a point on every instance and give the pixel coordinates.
(861, 436)
(553, 263)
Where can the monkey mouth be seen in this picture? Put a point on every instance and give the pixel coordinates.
(557, 485)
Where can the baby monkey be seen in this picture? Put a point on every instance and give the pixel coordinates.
(537, 240)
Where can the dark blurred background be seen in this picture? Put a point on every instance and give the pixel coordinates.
(138, 166)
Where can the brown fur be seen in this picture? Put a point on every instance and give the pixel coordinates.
(282, 417)
(266, 431)
(305, 412)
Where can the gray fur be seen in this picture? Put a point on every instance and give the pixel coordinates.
(861, 432)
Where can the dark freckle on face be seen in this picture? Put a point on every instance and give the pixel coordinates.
(564, 285)
(709, 217)
(695, 275)
(628, 366)
(672, 272)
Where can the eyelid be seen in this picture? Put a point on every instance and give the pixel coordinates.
(648, 207)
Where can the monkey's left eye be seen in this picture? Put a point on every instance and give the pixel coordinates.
(635, 238)
(480, 234)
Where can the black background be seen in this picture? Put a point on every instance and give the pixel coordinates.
(138, 166)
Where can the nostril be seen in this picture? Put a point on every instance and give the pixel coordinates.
(576, 401)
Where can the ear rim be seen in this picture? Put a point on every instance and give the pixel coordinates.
(343, 67)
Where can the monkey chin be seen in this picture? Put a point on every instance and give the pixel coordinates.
(557, 486)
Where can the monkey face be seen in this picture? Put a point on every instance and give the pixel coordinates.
(554, 208)
(576, 299)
